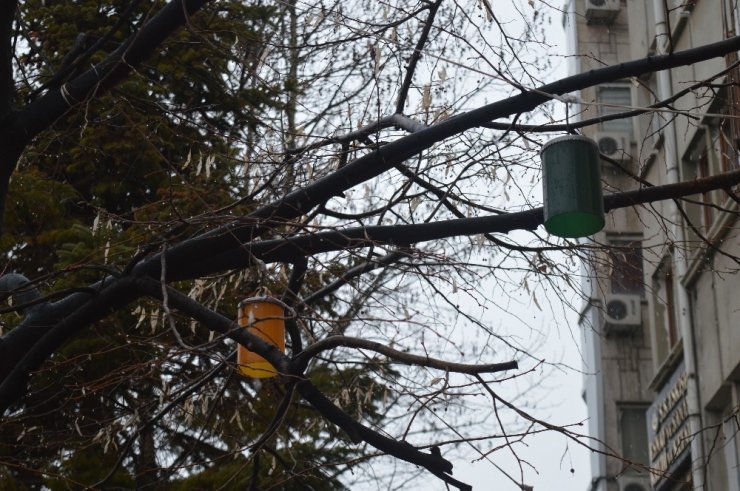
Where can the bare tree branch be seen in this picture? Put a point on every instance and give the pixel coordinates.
(286, 250)
(388, 156)
(416, 56)
(399, 356)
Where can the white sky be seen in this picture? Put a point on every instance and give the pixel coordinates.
(559, 464)
(555, 463)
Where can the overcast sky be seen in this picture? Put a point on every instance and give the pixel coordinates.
(559, 465)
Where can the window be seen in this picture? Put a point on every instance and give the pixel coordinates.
(731, 428)
(625, 261)
(665, 330)
(709, 164)
(723, 415)
(729, 99)
(714, 152)
(633, 429)
(724, 137)
(615, 99)
(731, 103)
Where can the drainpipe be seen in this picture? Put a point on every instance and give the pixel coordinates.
(679, 262)
(599, 482)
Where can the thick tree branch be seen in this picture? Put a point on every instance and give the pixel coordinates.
(308, 391)
(398, 356)
(39, 114)
(25, 295)
(240, 243)
(301, 201)
(285, 250)
(28, 336)
(216, 322)
(20, 127)
(115, 295)
(35, 342)
(112, 297)
(358, 432)
(81, 53)
(11, 141)
(7, 86)
(584, 123)
(290, 297)
(398, 120)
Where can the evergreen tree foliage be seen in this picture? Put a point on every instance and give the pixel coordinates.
(139, 165)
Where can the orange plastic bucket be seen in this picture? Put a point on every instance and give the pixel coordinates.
(265, 319)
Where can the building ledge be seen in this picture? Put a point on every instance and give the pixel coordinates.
(716, 234)
(647, 164)
(668, 367)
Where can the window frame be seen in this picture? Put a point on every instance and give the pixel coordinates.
(625, 125)
(666, 336)
(622, 246)
(730, 444)
(641, 460)
(710, 153)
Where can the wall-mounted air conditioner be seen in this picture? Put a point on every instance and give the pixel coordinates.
(622, 313)
(602, 11)
(613, 144)
(629, 482)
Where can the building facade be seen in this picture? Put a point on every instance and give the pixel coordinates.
(661, 324)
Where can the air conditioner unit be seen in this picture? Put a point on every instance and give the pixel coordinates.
(614, 145)
(629, 482)
(622, 313)
(602, 11)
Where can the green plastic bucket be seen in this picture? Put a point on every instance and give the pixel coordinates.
(574, 205)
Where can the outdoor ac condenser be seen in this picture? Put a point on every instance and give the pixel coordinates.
(613, 144)
(629, 482)
(601, 11)
(622, 313)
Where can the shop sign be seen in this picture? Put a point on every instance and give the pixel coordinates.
(668, 433)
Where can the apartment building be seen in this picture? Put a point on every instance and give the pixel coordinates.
(661, 327)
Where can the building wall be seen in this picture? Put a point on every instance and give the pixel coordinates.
(624, 371)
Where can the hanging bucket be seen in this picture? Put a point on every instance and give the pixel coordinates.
(574, 205)
(264, 318)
